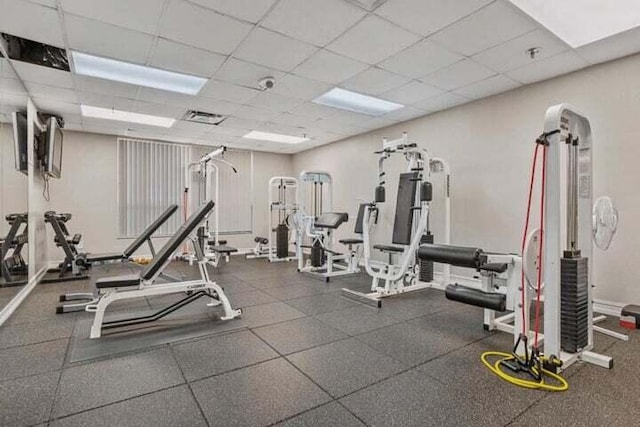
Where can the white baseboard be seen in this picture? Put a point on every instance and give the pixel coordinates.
(8, 309)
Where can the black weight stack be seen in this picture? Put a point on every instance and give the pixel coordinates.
(426, 267)
(316, 254)
(574, 303)
(282, 241)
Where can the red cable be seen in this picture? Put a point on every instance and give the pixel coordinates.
(526, 230)
(540, 246)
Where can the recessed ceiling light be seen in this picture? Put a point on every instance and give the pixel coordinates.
(275, 137)
(357, 102)
(119, 71)
(580, 22)
(125, 116)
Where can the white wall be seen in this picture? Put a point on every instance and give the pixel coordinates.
(489, 144)
(88, 189)
(13, 184)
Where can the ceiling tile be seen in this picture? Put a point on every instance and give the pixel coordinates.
(106, 101)
(329, 67)
(162, 110)
(164, 97)
(11, 86)
(442, 102)
(299, 87)
(378, 123)
(70, 111)
(411, 93)
(488, 27)
(228, 92)
(51, 92)
(620, 45)
(427, 16)
(293, 120)
(249, 112)
(178, 57)
(372, 40)
(273, 50)
(106, 87)
(315, 22)
(420, 59)
(374, 81)
(6, 70)
(488, 87)
(247, 10)
(95, 37)
(214, 106)
(459, 74)
(403, 114)
(513, 54)
(139, 15)
(245, 73)
(348, 118)
(237, 123)
(196, 26)
(31, 21)
(44, 75)
(332, 125)
(311, 110)
(273, 101)
(541, 70)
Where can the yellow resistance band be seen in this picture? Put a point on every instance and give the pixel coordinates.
(540, 385)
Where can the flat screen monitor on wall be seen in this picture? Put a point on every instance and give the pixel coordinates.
(52, 162)
(19, 120)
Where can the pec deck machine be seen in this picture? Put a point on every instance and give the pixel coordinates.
(555, 270)
(404, 272)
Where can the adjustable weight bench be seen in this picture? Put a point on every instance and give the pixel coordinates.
(78, 301)
(112, 289)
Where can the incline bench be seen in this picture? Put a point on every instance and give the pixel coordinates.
(142, 285)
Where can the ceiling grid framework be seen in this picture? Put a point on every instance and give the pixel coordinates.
(428, 55)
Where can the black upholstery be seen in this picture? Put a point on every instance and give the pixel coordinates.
(262, 240)
(351, 241)
(389, 248)
(176, 240)
(148, 232)
(403, 223)
(118, 281)
(458, 256)
(359, 227)
(492, 301)
(496, 267)
(223, 249)
(331, 220)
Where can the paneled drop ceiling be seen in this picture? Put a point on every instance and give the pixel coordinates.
(428, 55)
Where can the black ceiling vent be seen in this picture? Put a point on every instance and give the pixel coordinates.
(204, 118)
(37, 53)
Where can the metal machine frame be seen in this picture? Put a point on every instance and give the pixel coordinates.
(400, 277)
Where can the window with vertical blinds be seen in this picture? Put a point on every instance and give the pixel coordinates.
(150, 178)
(235, 206)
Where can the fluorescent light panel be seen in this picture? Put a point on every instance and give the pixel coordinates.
(125, 116)
(357, 102)
(110, 69)
(580, 22)
(274, 137)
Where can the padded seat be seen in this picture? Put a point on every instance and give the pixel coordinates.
(262, 240)
(389, 248)
(104, 257)
(118, 281)
(351, 241)
(223, 249)
(331, 220)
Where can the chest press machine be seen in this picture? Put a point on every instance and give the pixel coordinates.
(512, 282)
(208, 183)
(403, 272)
(141, 285)
(283, 205)
(315, 226)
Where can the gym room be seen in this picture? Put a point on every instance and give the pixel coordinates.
(319, 213)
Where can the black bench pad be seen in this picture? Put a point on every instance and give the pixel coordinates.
(118, 281)
(351, 241)
(105, 257)
(389, 248)
(223, 249)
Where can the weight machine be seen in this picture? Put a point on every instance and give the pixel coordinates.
(208, 181)
(13, 263)
(404, 272)
(556, 279)
(282, 190)
(315, 224)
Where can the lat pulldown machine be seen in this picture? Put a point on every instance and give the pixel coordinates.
(283, 205)
(208, 180)
(558, 280)
(410, 228)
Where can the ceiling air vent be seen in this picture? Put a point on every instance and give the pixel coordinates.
(204, 118)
